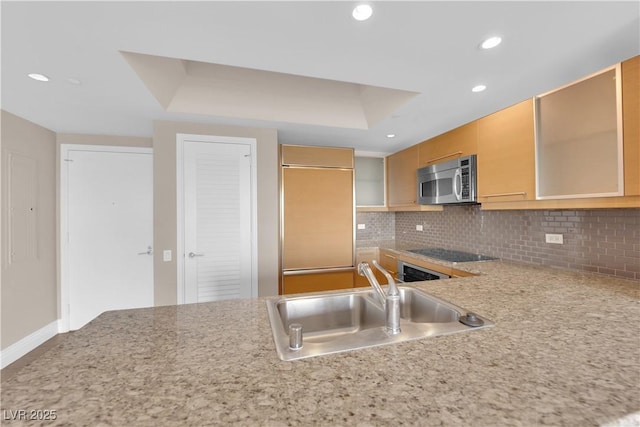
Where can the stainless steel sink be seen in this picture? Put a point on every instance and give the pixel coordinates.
(326, 318)
(350, 320)
(419, 307)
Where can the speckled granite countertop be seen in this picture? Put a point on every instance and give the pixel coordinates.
(565, 351)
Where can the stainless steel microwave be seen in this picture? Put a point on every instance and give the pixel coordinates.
(451, 182)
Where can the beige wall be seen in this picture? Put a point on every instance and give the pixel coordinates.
(164, 171)
(28, 292)
(165, 222)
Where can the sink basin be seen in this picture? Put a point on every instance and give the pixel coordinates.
(350, 320)
(420, 307)
(325, 318)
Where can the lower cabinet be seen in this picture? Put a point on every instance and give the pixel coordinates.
(389, 262)
(316, 282)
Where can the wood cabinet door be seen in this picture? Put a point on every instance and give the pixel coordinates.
(458, 142)
(317, 282)
(402, 186)
(630, 125)
(506, 155)
(317, 218)
(389, 262)
(331, 157)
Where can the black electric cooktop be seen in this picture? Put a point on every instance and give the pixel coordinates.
(451, 255)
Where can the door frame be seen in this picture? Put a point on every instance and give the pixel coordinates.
(64, 218)
(181, 138)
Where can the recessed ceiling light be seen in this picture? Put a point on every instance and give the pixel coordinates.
(39, 77)
(73, 81)
(478, 88)
(391, 135)
(362, 12)
(491, 42)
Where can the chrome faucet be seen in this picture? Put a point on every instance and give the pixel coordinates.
(390, 301)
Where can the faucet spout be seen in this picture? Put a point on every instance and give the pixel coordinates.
(365, 270)
(393, 289)
(390, 301)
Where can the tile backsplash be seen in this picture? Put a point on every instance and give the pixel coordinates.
(379, 225)
(605, 241)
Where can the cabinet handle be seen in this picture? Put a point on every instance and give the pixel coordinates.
(519, 193)
(457, 153)
(390, 256)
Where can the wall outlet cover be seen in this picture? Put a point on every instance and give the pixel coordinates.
(554, 238)
(419, 227)
(362, 226)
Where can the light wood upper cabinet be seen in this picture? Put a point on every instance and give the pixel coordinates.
(505, 145)
(579, 143)
(402, 178)
(458, 142)
(630, 125)
(370, 182)
(506, 155)
(296, 155)
(507, 166)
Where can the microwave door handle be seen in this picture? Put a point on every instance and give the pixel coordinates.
(457, 184)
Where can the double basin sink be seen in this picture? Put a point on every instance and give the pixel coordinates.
(350, 320)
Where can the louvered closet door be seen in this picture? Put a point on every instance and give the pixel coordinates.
(217, 208)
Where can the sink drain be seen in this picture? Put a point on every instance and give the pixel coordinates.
(471, 319)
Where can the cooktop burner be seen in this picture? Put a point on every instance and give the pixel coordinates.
(451, 255)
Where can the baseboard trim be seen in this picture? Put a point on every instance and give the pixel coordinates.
(25, 345)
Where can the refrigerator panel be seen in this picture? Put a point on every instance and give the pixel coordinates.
(318, 218)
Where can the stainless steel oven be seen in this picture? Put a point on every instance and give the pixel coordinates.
(413, 273)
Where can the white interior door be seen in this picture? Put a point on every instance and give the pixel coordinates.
(110, 232)
(217, 221)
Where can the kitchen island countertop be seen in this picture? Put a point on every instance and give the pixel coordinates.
(565, 351)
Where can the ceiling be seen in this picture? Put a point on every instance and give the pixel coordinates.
(430, 48)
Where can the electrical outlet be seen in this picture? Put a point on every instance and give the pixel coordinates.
(362, 226)
(554, 238)
(419, 227)
(166, 255)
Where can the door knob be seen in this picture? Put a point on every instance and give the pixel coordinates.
(193, 255)
(148, 252)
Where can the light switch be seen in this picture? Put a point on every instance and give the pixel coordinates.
(362, 226)
(166, 255)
